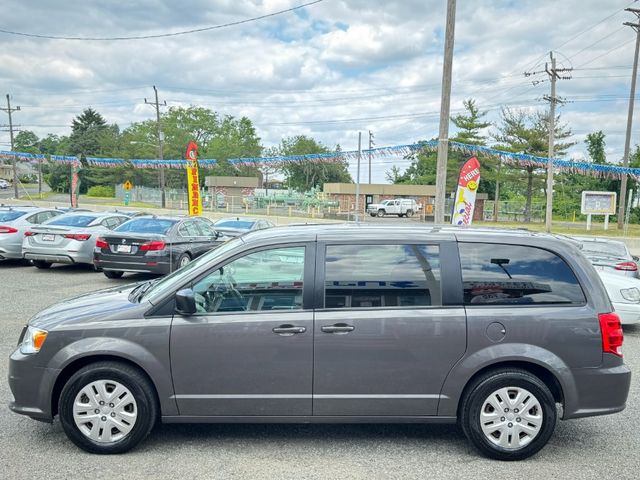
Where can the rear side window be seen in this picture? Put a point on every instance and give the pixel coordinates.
(382, 276)
(514, 274)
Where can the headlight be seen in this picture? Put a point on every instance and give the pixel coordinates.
(33, 340)
(631, 294)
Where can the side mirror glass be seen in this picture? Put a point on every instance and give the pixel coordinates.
(185, 302)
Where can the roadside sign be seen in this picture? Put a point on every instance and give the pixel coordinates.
(126, 198)
(127, 185)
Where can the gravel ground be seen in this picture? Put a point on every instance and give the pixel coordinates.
(600, 447)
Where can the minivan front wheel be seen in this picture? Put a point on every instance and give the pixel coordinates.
(508, 414)
(107, 407)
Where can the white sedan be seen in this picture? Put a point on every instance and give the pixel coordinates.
(624, 293)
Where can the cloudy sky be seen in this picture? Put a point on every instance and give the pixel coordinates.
(328, 70)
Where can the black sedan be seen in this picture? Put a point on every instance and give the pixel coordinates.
(154, 244)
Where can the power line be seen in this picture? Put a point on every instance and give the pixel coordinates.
(163, 35)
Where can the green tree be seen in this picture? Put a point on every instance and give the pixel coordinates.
(306, 175)
(86, 132)
(26, 141)
(524, 132)
(596, 147)
(470, 124)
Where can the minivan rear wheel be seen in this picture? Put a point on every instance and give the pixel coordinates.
(508, 414)
(107, 407)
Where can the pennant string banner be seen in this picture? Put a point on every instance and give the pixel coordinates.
(516, 159)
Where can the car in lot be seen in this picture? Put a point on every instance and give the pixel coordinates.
(624, 293)
(234, 226)
(402, 207)
(14, 222)
(609, 255)
(491, 329)
(154, 244)
(4, 184)
(68, 238)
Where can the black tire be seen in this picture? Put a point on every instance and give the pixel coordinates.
(185, 257)
(380, 213)
(134, 380)
(113, 273)
(372, 214)
(41, 264)
(482, 388)
(409, 213)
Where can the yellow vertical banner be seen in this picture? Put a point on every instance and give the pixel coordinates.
(193, 180)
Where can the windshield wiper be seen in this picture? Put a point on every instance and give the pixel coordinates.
(144, 287)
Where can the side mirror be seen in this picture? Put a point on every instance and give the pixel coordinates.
(185, 302)
(217, 235)
(636, 258)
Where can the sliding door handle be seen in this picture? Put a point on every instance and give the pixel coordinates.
(338, 328)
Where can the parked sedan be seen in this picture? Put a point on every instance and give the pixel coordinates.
(69, 238)
(14, 222)
(609, 255)
(236, 226)
(154, 244)
(624, 293)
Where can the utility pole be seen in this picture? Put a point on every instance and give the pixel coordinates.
(358, 177)
(9, 111)
(157, 104)
(632, 94)
(370, 147)
(445, 104)
(553, 73)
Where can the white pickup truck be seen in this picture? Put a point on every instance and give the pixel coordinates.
(400, 206)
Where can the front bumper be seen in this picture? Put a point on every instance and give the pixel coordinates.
(31, 387)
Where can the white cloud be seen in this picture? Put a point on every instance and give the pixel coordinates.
(337, 60)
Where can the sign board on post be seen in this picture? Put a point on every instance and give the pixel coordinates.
(193, 180)
(127, 188)
(598, 203)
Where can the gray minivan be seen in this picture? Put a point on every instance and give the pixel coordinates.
(492, 329)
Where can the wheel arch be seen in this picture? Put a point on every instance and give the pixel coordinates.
(77, 364)
(543, 373)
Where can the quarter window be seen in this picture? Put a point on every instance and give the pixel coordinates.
(514, 274)
(382, 276)
(264, 280)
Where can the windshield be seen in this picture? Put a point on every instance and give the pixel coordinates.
(240, 224)
(605, 248)
(10, 215)
(172, 281)
(72, 220)
(147, 225)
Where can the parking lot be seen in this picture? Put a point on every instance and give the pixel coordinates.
(590, 448)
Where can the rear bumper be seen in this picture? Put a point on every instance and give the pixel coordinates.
(599, 391)
(629, 313)
(156, 265)
(60, 256)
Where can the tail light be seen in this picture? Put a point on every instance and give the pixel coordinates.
(29, 234)
(5, 229)
(152, 246)
(611, 330)
(101, 243)
(627, 266)
(78, 236)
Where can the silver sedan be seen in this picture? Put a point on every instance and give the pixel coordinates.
(14, 222)
(69, 238)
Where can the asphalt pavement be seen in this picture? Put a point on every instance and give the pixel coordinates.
(592, 448)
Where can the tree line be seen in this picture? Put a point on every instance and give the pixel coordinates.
(517, 131)
(220, 137)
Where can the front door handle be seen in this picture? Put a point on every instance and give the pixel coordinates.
(288, 330)
(338, 328)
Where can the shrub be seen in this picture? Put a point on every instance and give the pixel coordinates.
(101, 191)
